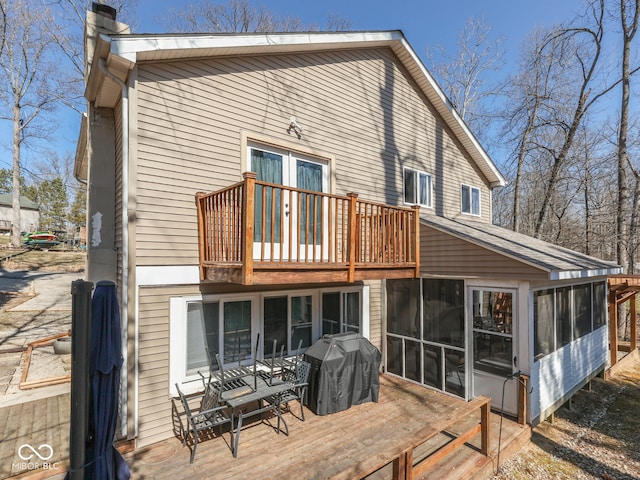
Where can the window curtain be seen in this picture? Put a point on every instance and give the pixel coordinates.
(309, 177)
(409, 186)
(475, 201)
(466, 201)
(268, 168)
(425, 190)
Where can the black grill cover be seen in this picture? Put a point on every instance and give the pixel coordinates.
(344, 372)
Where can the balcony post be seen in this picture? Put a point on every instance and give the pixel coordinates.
(202, 234)
(485, 417)
(634, 328)
(613, 328)
(351, 274)
(248, 204)
(416, 240)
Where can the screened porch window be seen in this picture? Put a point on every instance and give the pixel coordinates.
(426, 331)
(544, 325)
(565, 314)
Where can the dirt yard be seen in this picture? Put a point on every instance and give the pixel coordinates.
(51, 261)
(597, 437)
(34, 304)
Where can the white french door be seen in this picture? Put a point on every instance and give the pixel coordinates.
(288, 227)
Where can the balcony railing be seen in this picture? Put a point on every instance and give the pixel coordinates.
(256, 232)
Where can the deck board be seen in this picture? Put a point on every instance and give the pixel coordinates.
(324, 446)
(36, 422)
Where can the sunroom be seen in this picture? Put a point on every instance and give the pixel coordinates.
(500, 314)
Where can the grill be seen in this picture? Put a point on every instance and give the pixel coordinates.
(344, 372)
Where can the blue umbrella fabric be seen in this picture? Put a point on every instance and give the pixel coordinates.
(104, 462)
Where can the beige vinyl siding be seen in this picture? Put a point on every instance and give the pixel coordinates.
(444, 255)
(358, 106)
(154, 407)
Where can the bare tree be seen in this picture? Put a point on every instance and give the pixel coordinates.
(234, 16)
(463, 75)
(527, 92)
(3, 24)
(582, 46)
(67, 29)
(338, 23)
(29, 91)
(241, 17)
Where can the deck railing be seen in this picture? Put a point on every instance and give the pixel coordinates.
(260, 224)
(406, 466)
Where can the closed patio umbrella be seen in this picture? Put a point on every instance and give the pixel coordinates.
(104, 462)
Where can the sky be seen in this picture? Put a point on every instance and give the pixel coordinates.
(425, 23)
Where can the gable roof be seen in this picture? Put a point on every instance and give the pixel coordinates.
(121, 52)
(561, 263)
(6, 200)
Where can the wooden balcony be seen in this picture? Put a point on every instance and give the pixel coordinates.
(258, 233)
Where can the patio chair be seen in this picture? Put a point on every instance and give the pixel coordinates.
(209, 416)
(229, 385)
(298, 378)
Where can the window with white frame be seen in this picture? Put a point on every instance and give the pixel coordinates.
(230, 325)
(470, 200)
(341, 312)
(417, 187)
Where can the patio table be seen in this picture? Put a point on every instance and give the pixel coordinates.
(263, 390)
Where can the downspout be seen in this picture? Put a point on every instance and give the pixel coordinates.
(125, 235)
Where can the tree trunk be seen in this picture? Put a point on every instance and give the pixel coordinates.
(633, 231)
(558, 163)
(587, 210)
(622, 228)
(15, 227)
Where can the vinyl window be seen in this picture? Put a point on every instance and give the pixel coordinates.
(470, 200)
(417, 187)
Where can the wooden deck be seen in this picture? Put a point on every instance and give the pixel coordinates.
(337, 445)
(37, 422)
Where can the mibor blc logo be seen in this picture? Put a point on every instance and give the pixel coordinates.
(34, 458)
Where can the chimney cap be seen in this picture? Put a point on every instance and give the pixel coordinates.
(104, 10)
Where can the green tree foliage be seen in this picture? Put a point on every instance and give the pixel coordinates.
(29, 191)
(52, 200)
(78, 210)
(6, 179)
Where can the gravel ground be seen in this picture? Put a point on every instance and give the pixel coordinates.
(597, 437)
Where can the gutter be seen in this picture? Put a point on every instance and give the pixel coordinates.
(125, 235)
(81, 150)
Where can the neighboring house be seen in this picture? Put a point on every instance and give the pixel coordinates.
(29, 213)
(287, 253)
